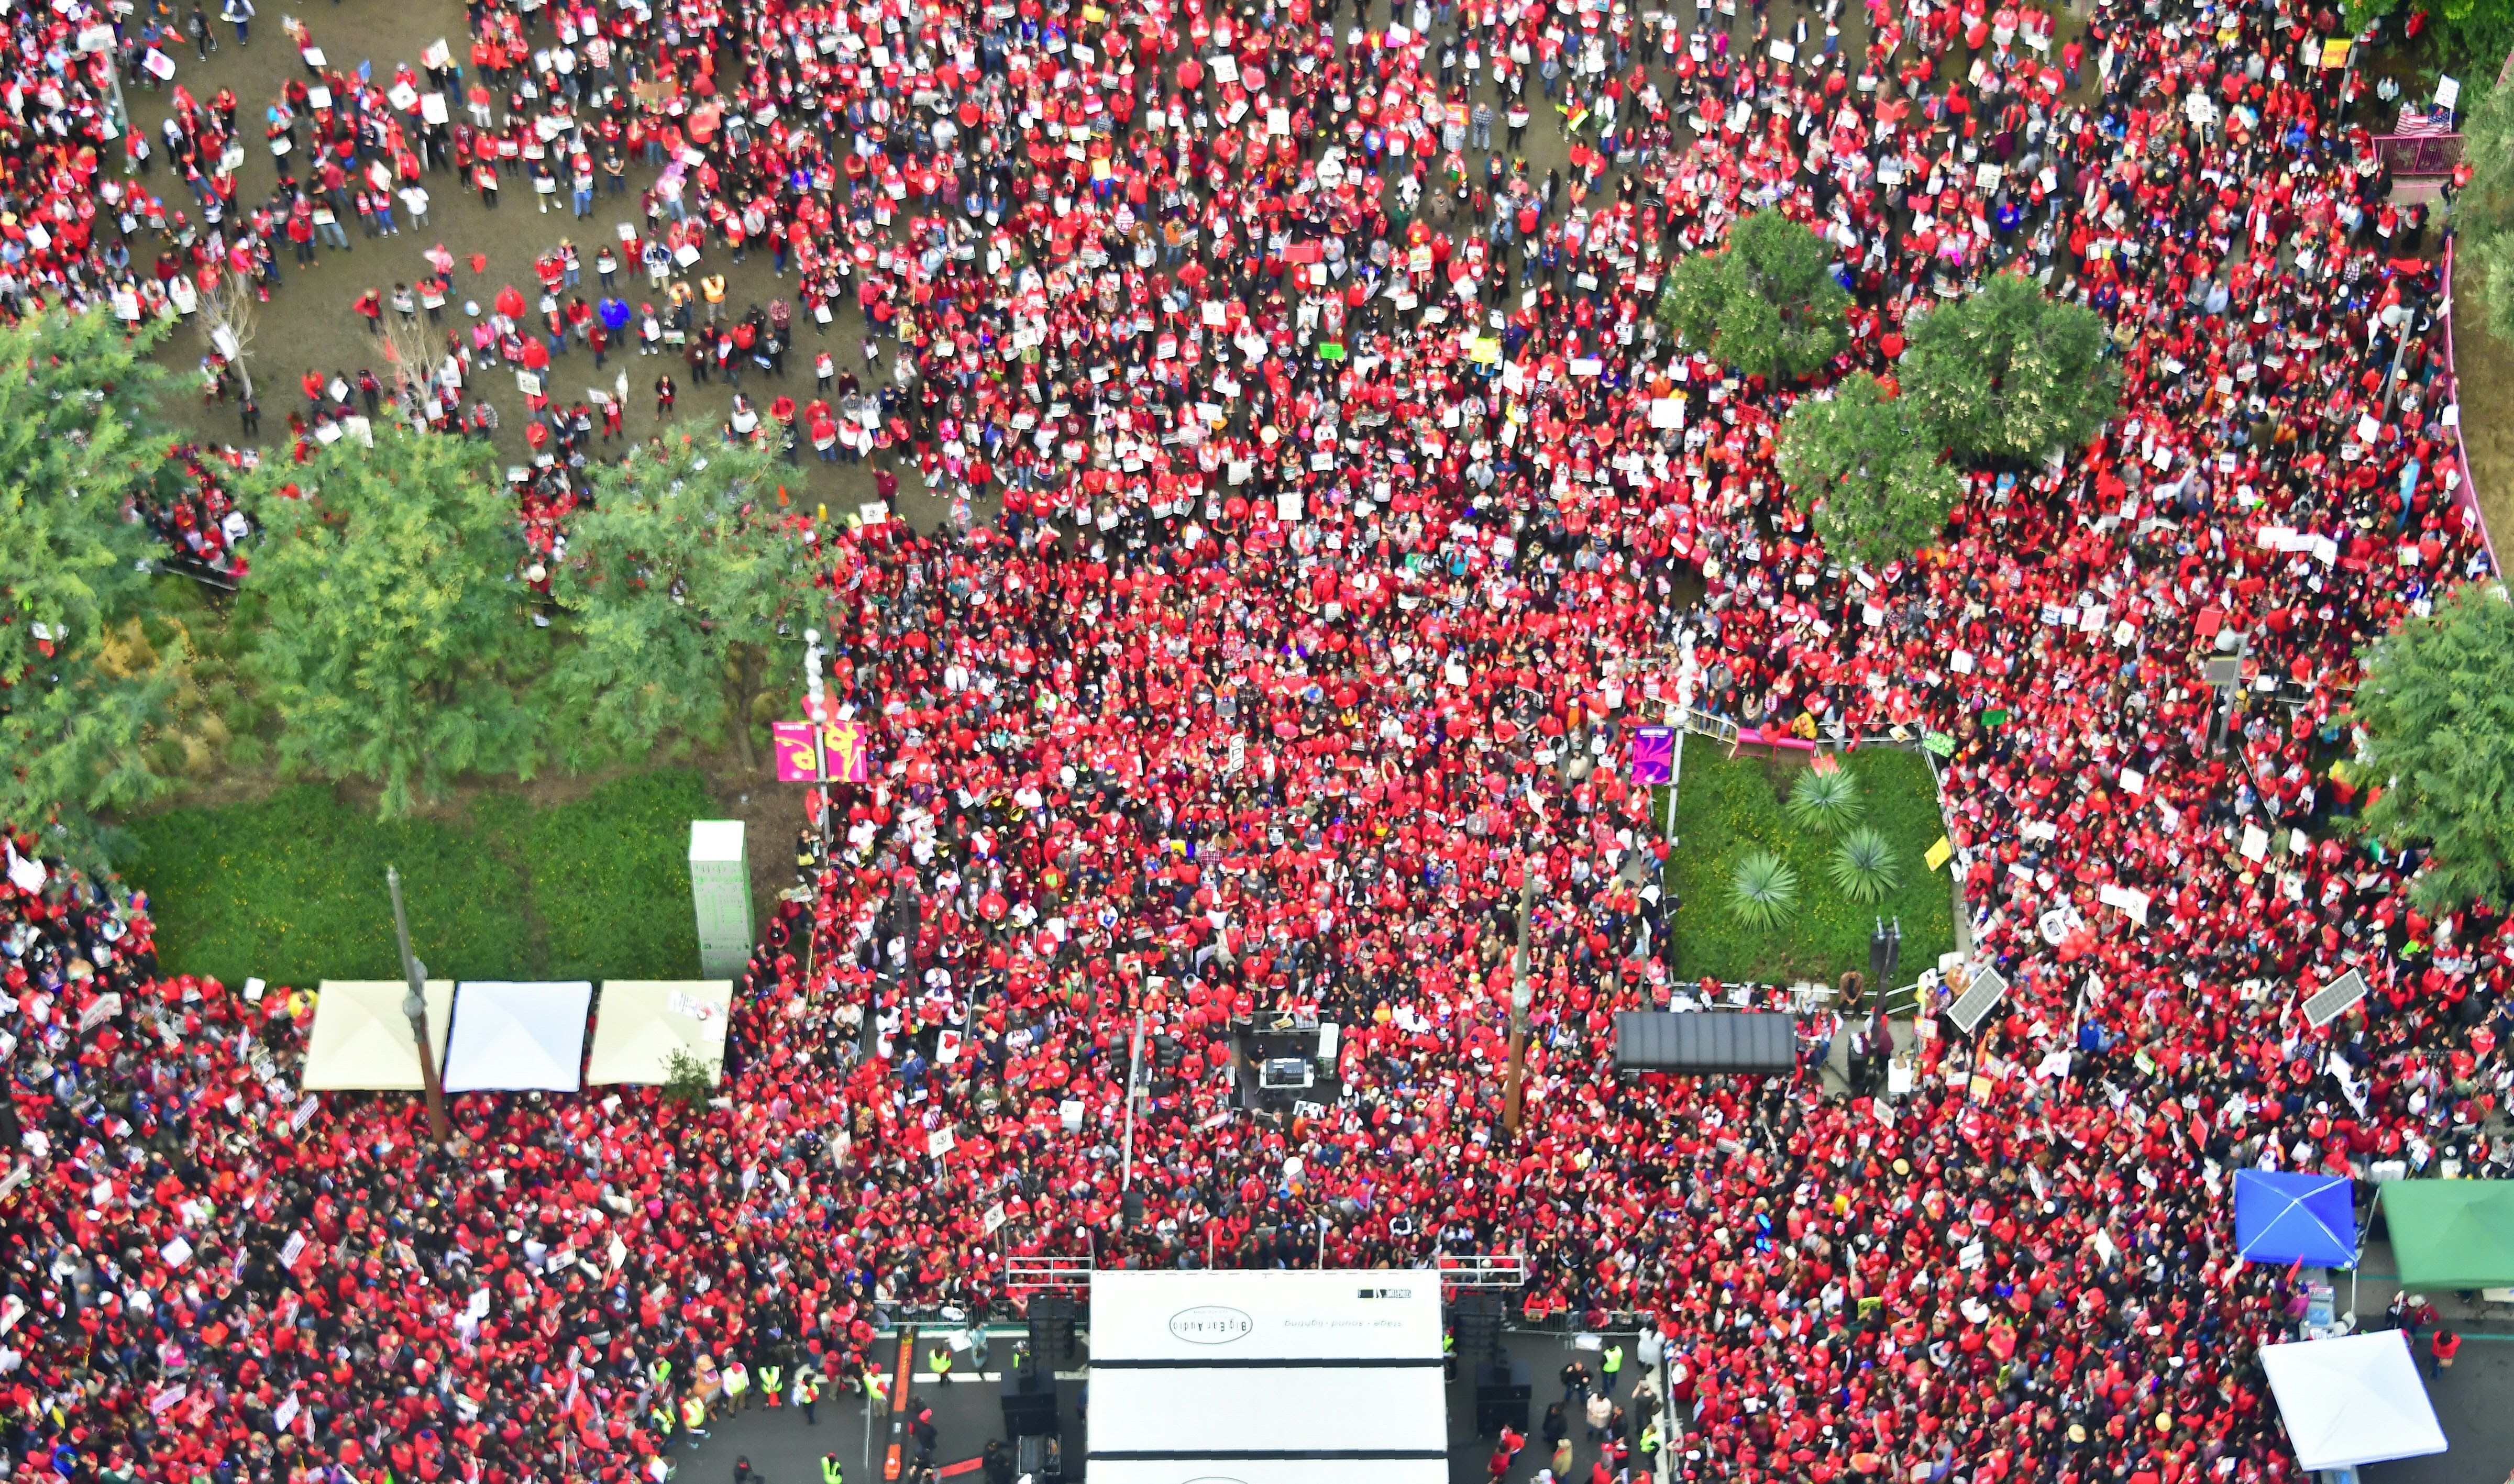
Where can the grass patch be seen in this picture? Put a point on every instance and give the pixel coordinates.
(1727, 808)
(292, 888)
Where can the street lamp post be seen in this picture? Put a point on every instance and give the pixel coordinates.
(415, 1005)
(1523, 998)
(816, 706)
(1134, 1076)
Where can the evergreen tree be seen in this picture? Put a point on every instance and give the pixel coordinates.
(2435, 719)
(1867, 470)
(2009, 373)
(1766, 303)
(690, 593)
(79, 701)
(2483, 216)
(397, 645)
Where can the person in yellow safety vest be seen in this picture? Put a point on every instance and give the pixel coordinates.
(737, 1388)
(711, 288)
(768, 1391)
(940, 1359)
(662, 1417)
(808, 1395)
(693, 1414)
(832, 1471)
(1649, 1442)
(1609, 1367)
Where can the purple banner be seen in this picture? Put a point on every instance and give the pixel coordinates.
(1653, 755)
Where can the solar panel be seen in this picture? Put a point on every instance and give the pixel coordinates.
(1981, 995)
(2332, 1000)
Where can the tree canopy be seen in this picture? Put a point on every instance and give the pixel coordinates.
(1869, 472)
(689, 595)
(2008, 371)
(2483, 216)
(1766, 303)
(2435, 716)
(78, 699)
(396, 644)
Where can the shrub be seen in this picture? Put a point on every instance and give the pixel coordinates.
(1825, 800)
(1763, 892)
(1864, 866)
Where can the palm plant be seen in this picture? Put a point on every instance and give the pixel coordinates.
(1827, 799)
(1864, 867)
(1763, 890)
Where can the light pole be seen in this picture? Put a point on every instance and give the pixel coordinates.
(816, 706)
(1134, 1075)
(1523, 996)
(415, 1005)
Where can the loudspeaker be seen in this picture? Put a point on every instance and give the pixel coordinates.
(1052, 1330)
(1030, 1403)
(1503, 1394)
(1477, 1320)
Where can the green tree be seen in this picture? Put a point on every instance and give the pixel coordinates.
(2010, 373)
(2483, 217)
(690, 595)
(1765, 304)
(1869, 472)
(395, 643)
(2466, 38)
(2435, 718)
(80, 696)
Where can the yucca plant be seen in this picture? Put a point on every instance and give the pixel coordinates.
(1826, 800)
(1763, 890)
(1864, 867)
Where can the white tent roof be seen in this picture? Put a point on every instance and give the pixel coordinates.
(515, 1037)
(644, 1020)
(1243, 1314)
(1106, 1470)
(1187, 1413)
(361, 1040)
(1266, 1378)
(2352, 1400)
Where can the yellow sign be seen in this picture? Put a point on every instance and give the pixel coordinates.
(1486, 352)
(2334, 53)
(1941, 853)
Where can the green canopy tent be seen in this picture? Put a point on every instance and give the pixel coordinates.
(2452, 1233)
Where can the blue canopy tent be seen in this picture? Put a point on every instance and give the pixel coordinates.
(2286, 1217)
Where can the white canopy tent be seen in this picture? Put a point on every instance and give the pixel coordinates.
(1266, 1378)
(361, 1041)
(1271, 1471)
(643, 1022)
(2352, 1400)
(517, 1037)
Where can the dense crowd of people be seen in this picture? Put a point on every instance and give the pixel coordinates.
(1353, 507)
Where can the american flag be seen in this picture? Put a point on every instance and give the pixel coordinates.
(2417, 123)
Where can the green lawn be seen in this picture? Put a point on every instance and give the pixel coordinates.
(291, 889)
(1725, 808)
